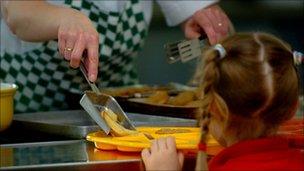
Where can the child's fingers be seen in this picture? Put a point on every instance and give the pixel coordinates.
(145, 154)
(162, 143)
(180, 156)
(171, 145)
(154, 146)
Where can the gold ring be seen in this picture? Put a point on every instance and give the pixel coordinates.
(220, 24)
(68, 49)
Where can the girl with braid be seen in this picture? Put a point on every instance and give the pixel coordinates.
(249, 86)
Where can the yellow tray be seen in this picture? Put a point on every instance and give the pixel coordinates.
(137, 142)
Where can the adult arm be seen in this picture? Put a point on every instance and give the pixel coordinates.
(33, 21)
(38, 21)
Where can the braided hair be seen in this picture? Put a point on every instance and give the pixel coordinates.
(249, 92)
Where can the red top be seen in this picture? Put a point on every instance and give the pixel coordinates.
(274, 153)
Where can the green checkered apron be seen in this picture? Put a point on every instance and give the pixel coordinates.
(44, 77)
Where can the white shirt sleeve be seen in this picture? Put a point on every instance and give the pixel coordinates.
(178, 11)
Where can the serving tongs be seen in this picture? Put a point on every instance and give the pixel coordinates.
(96, 102)
(185, 50)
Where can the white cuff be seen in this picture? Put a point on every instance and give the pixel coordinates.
(178, 11)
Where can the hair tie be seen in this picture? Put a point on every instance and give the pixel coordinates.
(202, 147)
(298, 57)
(221, 50)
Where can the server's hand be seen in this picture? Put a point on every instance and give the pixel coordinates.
(211, 21)
(77, 35)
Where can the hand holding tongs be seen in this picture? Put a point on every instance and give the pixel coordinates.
(185, 50)
(95, 103)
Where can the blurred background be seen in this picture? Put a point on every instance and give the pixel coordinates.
(283, 18)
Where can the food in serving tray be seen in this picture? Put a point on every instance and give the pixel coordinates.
(117, 130)
(182, 98)
(131, 91)
(172, 131)
(159, 97)
(112, 121)
(195, 103)
(185, 98)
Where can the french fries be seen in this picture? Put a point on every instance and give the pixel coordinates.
(116, 129)
(159, 97)
(182, 98)
(185, 98)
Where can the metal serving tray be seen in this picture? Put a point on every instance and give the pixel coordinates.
(77, 123)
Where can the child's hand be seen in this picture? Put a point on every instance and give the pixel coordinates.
(163, 155)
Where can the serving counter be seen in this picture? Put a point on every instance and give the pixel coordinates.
(25, 146)
(68, 155)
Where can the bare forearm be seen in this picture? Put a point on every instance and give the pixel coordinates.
(34, 20)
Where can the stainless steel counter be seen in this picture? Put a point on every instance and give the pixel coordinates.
(43, 143)
(71, 155)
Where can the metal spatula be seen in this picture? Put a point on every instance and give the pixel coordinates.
(95, 102)
(185, 50)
